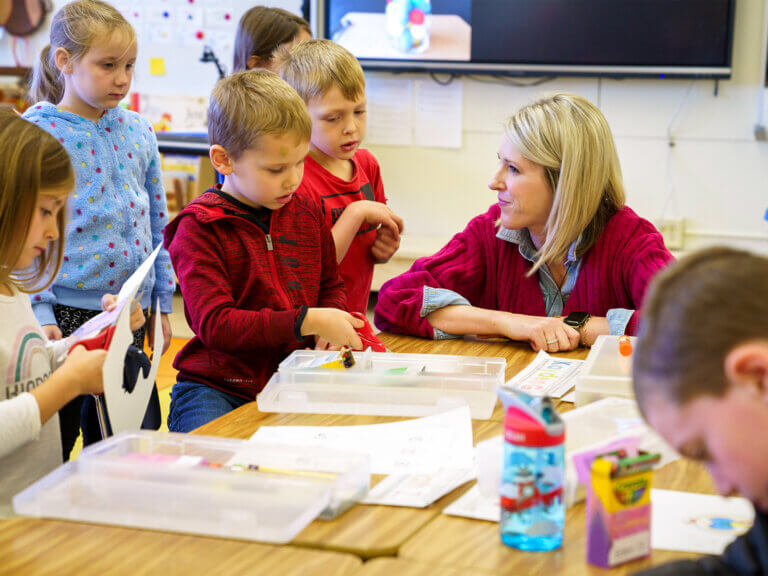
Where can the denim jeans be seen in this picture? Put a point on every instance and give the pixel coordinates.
(194, 404)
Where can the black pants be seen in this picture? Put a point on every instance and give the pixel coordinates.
(80, 413)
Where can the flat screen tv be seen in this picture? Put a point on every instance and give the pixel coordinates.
(676, 38)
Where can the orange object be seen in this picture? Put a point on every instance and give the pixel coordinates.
(625, 346)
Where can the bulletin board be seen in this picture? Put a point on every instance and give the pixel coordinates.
(171, 36)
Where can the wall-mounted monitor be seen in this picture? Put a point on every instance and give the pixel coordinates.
(680, 38)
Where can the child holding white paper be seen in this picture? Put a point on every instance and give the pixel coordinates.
(36, 178)
(701, 379)
(119, 207)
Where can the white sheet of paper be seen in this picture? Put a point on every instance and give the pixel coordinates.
(697, 522)
(418, 446)
(547, 376)
(95, 325)
(417, 490)
(474, 505)
(133, 283)
(570, 397)
(437, 115)
(389, 111)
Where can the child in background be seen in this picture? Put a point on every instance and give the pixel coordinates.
(261, 31)
(344, 180)
(35, 179)
(255, 261)
(701, 379)
(118, 208)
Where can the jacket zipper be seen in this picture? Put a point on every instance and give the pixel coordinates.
(275, 275)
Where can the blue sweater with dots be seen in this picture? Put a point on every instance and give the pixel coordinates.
(116, 213)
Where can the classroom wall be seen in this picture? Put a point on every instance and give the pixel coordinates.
(714, 177)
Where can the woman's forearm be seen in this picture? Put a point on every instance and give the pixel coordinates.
(468, 320)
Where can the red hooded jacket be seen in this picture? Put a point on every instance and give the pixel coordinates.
(245, 290)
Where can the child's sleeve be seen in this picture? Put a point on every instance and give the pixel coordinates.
(376, 181)
(209, 304)
(331, 293)
(460, 266)
(19, 422)
(158, 210)
(42, 306)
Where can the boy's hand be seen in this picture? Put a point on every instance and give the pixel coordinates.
(109, 301)
(378, 213)
(83, 369)
(385, 245)
(335, 326)
(52, 332)
(323, 344)
(165, 324)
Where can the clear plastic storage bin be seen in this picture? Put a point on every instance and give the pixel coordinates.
(605, 372)
(384, 384)
(200, 485)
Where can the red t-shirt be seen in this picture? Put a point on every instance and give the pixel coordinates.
(333, 195)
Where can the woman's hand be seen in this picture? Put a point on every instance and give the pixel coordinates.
(543, 332)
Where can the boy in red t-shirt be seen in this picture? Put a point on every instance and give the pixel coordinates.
(255, 261)
(344, 180)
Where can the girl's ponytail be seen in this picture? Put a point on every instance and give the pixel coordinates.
(46, 82)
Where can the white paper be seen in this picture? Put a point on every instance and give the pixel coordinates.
(698, 523)
(389, 111)
(570, 397)
(417, 490)
(474, 505)
(418, 446)
(127, 293)
(547, 376)
(437, 118)
(133, 283)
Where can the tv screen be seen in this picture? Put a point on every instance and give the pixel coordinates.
(538, 37)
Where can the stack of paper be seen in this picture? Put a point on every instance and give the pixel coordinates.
(425, 457)
(547, 376)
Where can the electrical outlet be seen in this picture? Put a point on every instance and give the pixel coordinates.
(673, 232)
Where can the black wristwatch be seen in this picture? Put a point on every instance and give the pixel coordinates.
(577, 319)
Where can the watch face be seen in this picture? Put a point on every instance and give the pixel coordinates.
(576, 318)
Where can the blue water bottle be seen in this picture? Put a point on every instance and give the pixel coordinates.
(532, 474)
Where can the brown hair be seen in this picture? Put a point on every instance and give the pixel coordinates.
(31, 160)
(315, 66)
(696, 312)
(249, 104)
(569, 137)
(261, 30)
(74, 28)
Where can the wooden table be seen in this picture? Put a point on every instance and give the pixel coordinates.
(370, 531)
(400, 567)
(30, 546)
(426, 540)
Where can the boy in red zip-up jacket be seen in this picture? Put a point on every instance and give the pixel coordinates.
(256, 263)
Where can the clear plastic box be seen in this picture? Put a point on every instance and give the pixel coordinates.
(589, 428)
(605, 372)
(384, 384)
(200, 485)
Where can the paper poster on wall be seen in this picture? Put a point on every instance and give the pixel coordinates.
(438, 114)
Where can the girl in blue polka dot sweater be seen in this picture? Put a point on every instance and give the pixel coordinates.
(118, 209)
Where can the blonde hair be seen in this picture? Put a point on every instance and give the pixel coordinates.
(569, 137)
(31, 160)
(75, 28)
(695, 313)
(261, 30)
(246, 105)
(315, 66)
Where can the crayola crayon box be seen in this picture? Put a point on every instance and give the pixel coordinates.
(618, 508)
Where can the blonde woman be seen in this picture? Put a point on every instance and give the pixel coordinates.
(556, 261)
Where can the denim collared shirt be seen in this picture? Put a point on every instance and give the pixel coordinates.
(554, 297)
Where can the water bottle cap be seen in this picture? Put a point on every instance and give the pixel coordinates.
(523, 430)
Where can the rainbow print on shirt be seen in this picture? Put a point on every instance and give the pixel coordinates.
(32, 352)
